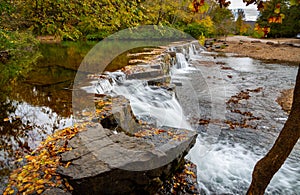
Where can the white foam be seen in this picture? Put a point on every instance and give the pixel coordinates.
(226, 168)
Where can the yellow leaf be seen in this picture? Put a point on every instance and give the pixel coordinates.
(20, 178)
(277, 11)
(190, 173)
(40, 181)
(28, 185)
(9, 191)
(67, 165)
(39, 187)
(6, 119)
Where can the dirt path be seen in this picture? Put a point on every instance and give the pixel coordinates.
(278, 50)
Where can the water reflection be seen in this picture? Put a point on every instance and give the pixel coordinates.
(35, 106)
(242, 64)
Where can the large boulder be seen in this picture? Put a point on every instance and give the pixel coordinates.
(106, 162)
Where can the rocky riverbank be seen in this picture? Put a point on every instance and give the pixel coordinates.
(271, 50)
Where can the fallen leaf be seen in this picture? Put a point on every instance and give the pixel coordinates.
(67, 165)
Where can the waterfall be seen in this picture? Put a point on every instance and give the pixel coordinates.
(152, 104)
(181, 61)
(192, 51)
(100, 86)
(117, 77)
(103, 86)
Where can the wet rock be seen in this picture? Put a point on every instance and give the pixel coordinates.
(172, 54)
(159, 80)
(183, 182)
(156, 66)
(146, 74)
(55, 191)
(116, 115)
(171, 87)
(217, 46)
(288, 44)
(208, 43)
(177, 83)
(103, 162)
(226, 68)
(270, 43)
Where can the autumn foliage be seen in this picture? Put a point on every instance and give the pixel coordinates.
(38, 170)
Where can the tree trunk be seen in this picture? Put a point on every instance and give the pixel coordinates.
(288, 137)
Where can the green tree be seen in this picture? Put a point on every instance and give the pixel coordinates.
(223, 21)
(239, 21)
(72, 19)
(167, 12)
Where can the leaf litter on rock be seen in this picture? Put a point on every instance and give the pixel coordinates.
(39, 171)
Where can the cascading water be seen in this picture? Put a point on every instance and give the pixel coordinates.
(192, 51)
(101, 86)
(225, 165)
(152, 104)
(181, 61)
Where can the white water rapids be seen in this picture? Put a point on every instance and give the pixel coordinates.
(153, 104)
(224, 165)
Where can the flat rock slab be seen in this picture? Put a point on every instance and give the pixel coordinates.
(149, 73)
(103, 162)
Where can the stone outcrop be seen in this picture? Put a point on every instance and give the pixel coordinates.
(104, 162)
(116, 115)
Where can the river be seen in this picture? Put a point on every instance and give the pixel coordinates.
(225, 156)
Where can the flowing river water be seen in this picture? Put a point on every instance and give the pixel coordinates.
(225, 154)
(226, 157)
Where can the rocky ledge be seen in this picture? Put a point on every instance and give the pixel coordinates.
(135, 159)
